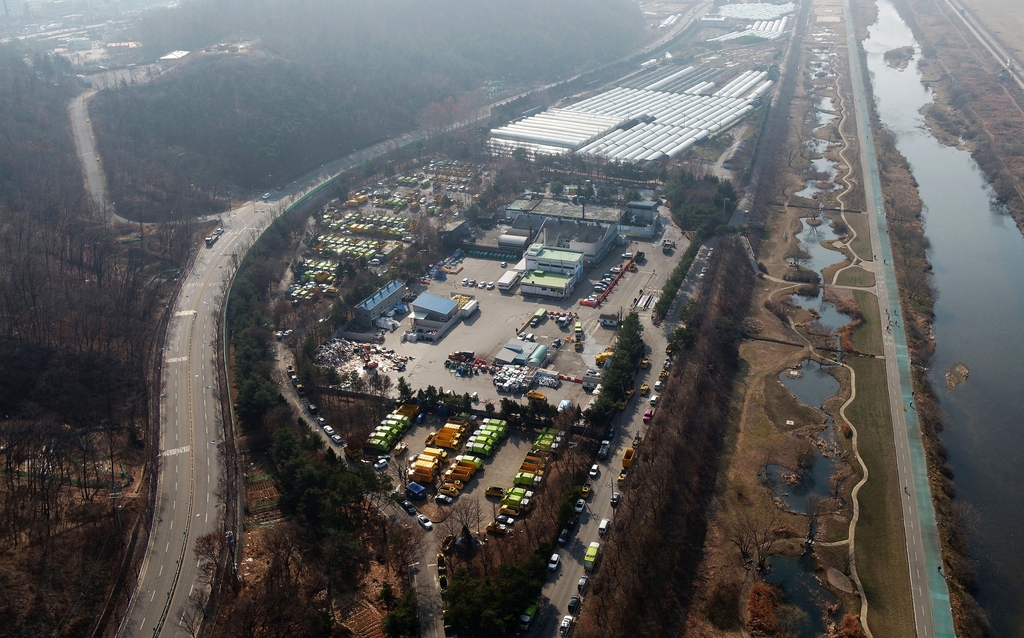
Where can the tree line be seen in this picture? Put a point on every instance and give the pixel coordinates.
(644, 585)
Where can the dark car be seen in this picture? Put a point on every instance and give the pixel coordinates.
(563, 538)
(408, 507)
(574, 604)
(615, 499)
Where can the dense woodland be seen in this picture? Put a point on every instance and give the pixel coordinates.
(323, 79)
(79, 311)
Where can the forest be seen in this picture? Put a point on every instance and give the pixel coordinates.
(80, 311)
(325, 78)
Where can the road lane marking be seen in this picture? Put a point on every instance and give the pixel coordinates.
(175, 451)
(177, 359)
(184, 313)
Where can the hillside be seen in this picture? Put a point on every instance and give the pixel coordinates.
(325, 78)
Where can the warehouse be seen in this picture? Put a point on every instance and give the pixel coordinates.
(369, 310)
(433, 316)
(552, 132)
(649, 118)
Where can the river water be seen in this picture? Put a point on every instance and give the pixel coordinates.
(978, 257)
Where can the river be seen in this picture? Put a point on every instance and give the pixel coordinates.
(978, 254)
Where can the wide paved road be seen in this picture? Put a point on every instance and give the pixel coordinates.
(932, 615)
(190, 455)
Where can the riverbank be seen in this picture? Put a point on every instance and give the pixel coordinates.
(976, 105)
(917, 296)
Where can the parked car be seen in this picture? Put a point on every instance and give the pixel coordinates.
(554, 562)
(337, 439)
(504, 264)
(615, 499)
(490, 285)
(465, 281)
(654, 400)
(443, 499)
(563, 538)
(594, 470)
(582, 584)
(505, 519)
(329, 430)
(380, 464)
(574, 604)
(408, 507)
(580, 504)
(566, 626)
(425, 522)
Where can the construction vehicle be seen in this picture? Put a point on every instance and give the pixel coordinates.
(586, 490)
(533, 394)
(604, 356)
(628, 456)
(352, 453)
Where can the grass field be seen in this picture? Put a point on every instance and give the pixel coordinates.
(856, 277)
(880, 546)
(867, 338)
(862, 244)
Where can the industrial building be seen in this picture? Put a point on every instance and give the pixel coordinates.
(591, 229)
(433, 316)
(522, 353)
(546, 284)
(369, 310)
(555, 260)
(592, 239)
(551, 272)
(656, 116)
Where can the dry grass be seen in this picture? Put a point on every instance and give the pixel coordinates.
(856, 277)
(862, 243)
(881, 549)
(867, 338)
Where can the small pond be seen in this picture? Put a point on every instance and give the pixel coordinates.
(795, 576)
(820, 258)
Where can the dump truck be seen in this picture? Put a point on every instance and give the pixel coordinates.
(538, 396)
(628, 456)
(590, 559)
(602, 357)
(353, 453)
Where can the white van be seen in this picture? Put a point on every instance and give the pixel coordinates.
(602, 529)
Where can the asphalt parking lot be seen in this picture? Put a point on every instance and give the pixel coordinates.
(502, 315)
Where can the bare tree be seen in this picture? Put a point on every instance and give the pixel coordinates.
(754, 535)
(193, 612)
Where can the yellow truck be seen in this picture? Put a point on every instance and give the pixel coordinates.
(628, 456)
(533, 394)
(604, 356)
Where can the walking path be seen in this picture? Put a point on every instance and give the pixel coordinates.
(932, 614)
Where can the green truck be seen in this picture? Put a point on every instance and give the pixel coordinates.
(591, 557)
